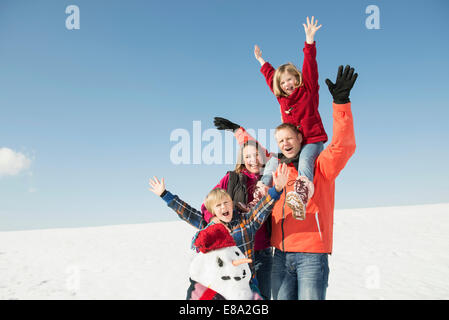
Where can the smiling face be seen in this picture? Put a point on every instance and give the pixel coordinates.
(289, 142)
(288, 82)
(252, 159)
(287, 78)
(222, 208)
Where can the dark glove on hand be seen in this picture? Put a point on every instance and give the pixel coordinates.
(225, 124)
(343, 85)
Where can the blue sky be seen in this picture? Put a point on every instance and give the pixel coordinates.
(93, 109)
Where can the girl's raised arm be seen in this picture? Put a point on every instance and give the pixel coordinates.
(310, 29)
(310, 66)
(258, 55)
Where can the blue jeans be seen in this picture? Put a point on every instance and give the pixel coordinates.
(263, 265)
(306, 164)
(307, 156)
(299, 275)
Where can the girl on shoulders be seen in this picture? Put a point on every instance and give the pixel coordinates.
(297, 94)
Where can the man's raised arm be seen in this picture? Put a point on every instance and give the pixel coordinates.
(342, 146)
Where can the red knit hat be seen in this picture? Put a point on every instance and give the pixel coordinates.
(214, 237)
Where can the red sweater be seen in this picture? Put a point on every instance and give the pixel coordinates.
(303, 102)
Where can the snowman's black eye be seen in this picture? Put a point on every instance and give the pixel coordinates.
(220, 262)
(237, 253)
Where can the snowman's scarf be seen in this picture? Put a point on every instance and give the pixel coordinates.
(197, 291)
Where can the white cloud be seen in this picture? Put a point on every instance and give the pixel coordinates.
(12, 163)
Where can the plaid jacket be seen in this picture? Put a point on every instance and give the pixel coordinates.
(243, 226)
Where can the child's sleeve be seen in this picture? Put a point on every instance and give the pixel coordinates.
(262, 210)
(184, 211)
(310, 67)
(268, 72)
(223, 184)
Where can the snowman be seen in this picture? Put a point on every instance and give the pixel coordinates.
(220, 270)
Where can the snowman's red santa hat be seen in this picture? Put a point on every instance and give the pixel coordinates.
(220, 267)
(214, 237)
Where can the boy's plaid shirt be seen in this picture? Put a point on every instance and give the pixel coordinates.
(243, 226)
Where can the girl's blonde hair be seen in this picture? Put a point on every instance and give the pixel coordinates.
(215, 196)
(290, 68)
(240, 165)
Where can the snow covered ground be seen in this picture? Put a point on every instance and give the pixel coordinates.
(379, 253)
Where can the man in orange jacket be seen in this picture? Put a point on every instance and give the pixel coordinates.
(300, 264)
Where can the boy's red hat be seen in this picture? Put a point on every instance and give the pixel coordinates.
(214, 237)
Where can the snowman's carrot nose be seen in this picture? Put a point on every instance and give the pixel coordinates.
(236, 263)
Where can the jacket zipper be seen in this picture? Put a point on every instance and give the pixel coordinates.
(318, 225)
(283, 219)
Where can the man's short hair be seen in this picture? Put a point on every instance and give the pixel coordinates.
(290, 126)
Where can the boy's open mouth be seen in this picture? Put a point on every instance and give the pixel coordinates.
(288, 149)
(225, 214)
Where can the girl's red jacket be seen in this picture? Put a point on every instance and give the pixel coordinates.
(301, 107)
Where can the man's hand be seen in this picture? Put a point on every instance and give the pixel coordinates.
(310, 29)
(157, 187)
(225, 124)
(280, 177)
(343, 85)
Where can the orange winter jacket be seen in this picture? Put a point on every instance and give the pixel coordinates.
(315, 233)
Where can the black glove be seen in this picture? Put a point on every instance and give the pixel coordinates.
(343, 85)
(225, 124)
